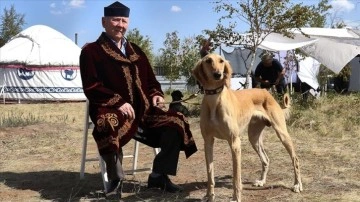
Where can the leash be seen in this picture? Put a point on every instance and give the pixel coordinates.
(192, 96)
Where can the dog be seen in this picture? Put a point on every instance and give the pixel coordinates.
(226, 113)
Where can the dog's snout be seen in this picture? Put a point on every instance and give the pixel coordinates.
(217, 75)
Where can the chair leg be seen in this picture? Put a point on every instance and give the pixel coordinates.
(135, 160)
(85, 136)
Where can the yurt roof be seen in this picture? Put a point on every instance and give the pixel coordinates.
(40, 45)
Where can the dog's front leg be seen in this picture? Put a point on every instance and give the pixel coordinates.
(209, 146)
(235, 145)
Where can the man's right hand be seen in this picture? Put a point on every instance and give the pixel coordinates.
(128, 111)
(266, 83)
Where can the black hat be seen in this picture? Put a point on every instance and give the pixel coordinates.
(117, 9)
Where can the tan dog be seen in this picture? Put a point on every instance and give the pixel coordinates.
(226, 113)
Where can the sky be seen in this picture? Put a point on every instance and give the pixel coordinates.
(153, 18)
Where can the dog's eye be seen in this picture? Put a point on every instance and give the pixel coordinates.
(209, 60)
(221, 60)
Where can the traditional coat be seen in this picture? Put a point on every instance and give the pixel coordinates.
(111, 79)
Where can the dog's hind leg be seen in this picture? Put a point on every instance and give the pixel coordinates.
(255, 129)
(285, 138)
(209, 148)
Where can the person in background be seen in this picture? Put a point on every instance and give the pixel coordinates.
(205, 47)
(176, 105)
(270, 72)
(125, 102)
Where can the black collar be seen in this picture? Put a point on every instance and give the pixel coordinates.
(214, 91)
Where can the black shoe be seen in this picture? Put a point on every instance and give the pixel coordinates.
(163, 182)
(114, 191)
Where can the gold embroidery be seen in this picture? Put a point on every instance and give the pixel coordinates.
(110, 140)
(110, 51)
(110, 118)
(112, 100)
(129, 82)
(124, 128)
(138, 85)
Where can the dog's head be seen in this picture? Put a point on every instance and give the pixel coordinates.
(212, 71)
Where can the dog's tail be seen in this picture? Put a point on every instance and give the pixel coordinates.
(286, 105)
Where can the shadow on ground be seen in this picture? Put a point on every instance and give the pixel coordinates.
(67, 186)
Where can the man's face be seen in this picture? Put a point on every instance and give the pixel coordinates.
(115, 27)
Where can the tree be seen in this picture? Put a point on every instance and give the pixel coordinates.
(178, 57)
(170, 57)
(11, 24)
(189, 57)
(263, 17)
(320, 13)
(143, 42)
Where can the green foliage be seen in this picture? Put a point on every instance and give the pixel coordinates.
(330, 115)
(262, 17)
(319, 14)
(11, 24)
(143, 42)
(16, 119)
(169, 58)
(189, 57)
(178, 57)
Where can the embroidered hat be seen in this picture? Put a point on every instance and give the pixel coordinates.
(116, 9)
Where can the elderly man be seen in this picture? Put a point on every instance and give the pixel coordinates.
(126, 102)
(270, 72)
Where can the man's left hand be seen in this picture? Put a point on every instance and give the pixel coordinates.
(158, 101)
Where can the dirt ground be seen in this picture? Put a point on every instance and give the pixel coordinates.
(41, 162)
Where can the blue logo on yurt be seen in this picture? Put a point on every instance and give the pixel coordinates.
(25, 74)
(69, 74)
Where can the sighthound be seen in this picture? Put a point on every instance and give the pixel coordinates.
(226, 113)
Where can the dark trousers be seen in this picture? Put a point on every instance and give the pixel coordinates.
(169, 141)
(165, 162)
(114, 168)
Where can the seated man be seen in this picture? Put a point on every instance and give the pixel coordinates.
(270, 72)
(124, 96)
(176, 105)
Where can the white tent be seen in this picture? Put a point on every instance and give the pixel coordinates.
(354, 83)
(40, 63)
(333, 48)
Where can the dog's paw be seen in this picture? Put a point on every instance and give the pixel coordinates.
(207, 198)
(259, 183)
(297, 188)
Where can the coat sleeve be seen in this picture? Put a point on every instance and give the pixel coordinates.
(93, 86)
(154, 87)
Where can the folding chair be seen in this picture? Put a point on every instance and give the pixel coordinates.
(88, 125)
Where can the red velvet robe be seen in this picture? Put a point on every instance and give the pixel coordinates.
(111, 79)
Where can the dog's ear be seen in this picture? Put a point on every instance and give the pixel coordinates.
(198, 73)
(227, 73)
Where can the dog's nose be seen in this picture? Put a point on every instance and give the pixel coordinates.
(217, 75)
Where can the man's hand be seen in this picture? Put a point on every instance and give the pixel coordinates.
(158, 101)
(128, 111)
(266, 83)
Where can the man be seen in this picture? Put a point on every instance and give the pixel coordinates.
(124, 98)
(270, 72)
(176, 104)
(206, 47)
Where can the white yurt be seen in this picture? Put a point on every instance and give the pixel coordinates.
(40, 63)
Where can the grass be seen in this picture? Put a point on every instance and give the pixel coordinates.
(41, 151)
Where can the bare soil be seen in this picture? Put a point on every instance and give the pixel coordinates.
(41, 162)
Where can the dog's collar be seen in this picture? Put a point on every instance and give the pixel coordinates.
(214, 91)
